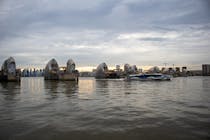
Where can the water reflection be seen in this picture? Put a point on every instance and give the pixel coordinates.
(205, 82)
(178, 109)
(102, 86)
(54, 88)
(70, 88)
(32, 85)
(10, 89)
(86, 88)
(51, 89)
(10, 86)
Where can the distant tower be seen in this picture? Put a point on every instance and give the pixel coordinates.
(165, 64)
(140, 70)
(118, 67)
(184, 69)
(206, 69)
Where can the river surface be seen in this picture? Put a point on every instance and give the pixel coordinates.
(105, 109)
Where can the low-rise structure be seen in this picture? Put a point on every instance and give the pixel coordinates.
(206, 69)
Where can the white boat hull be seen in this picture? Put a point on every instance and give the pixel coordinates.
(150, 77)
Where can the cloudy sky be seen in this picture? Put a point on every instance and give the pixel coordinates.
(141, 32)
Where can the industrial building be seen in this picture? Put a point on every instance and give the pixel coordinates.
(206, 69)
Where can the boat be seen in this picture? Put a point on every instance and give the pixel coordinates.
(149, 77)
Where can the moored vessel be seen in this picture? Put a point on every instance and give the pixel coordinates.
(149, 77)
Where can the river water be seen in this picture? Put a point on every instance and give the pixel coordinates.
(105, 109)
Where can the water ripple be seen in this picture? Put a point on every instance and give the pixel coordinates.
(105, 109)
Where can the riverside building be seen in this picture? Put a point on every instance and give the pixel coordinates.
(206, 69)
